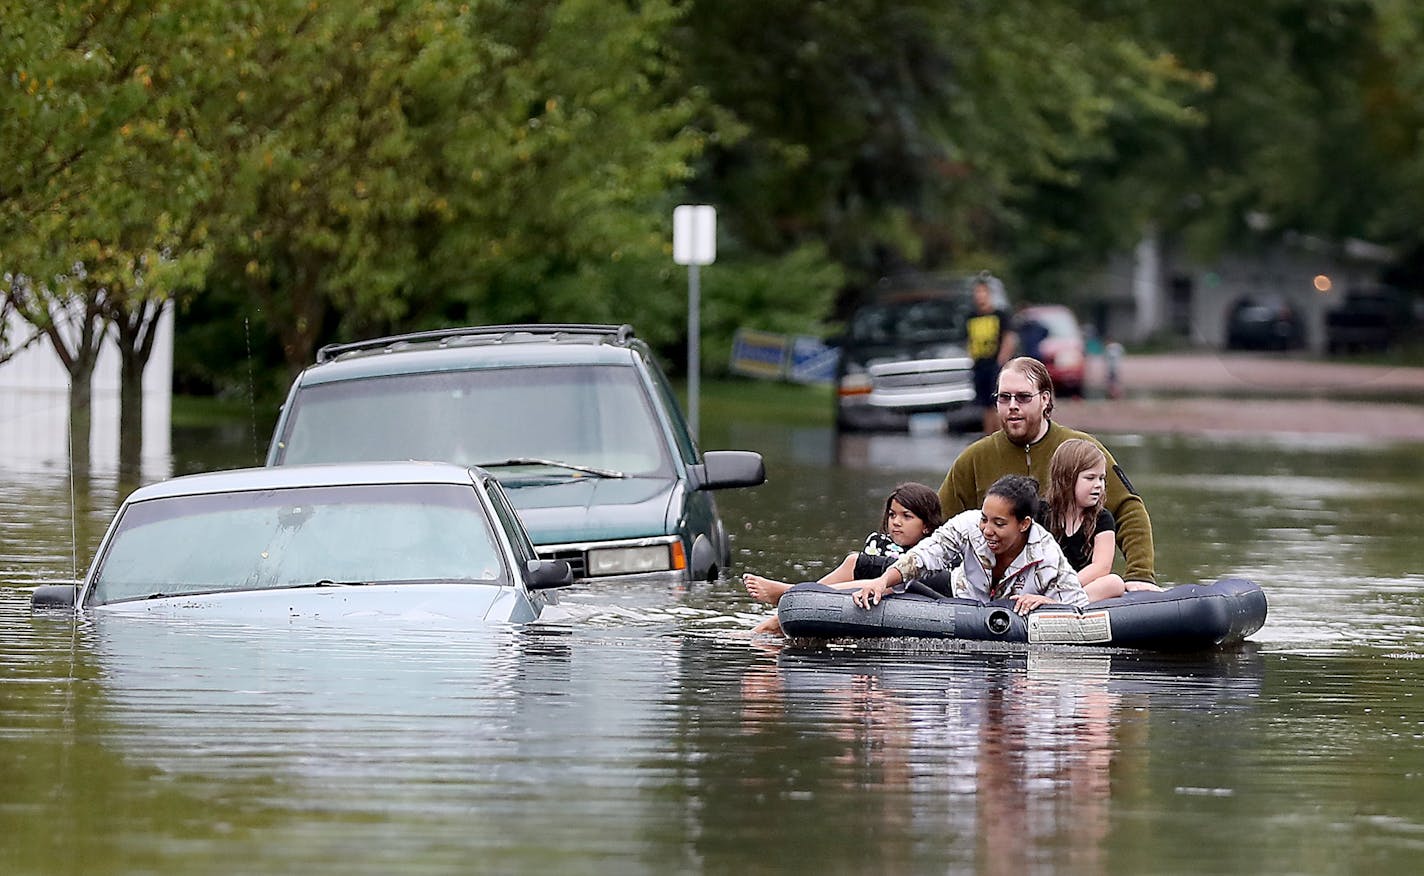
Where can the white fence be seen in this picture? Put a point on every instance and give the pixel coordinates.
(34, 406)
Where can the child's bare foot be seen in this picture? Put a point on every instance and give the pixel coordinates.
(771, 626)
(764, 589)
(1140, 585)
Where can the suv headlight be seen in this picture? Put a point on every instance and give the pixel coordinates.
(632, 560)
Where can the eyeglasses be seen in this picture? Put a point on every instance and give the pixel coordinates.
(1022, 398)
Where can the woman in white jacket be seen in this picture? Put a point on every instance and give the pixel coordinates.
(997, 552)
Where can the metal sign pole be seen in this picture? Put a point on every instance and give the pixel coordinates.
(694, 243)
(694, 344)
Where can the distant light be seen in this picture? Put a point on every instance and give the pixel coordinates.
(1322, 283)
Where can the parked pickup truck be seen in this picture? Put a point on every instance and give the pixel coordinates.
(903, 355)
(1367, 320)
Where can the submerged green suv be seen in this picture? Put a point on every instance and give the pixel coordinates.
(578, 422)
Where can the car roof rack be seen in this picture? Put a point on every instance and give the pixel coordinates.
(621, 334)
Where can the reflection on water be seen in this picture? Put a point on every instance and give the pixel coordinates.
(637, 730)
(988, 762)
(51, 524)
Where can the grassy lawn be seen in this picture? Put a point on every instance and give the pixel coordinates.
(767, 401)
(199, 410)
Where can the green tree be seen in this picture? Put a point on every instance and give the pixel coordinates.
(1390, 102)
(915, 135)
(1280, 124)
(409, 162)
(101, 171)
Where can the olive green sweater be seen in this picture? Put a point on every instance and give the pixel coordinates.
(994, 456)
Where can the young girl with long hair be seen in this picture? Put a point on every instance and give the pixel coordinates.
(911, 512)
(1073, 512)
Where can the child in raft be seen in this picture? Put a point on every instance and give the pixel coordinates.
(912, 511)
(997, 552)
(1073, 512)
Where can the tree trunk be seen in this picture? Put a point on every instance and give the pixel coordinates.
(81, 420)
(79, 361)
(73, 320)
(130, 414)
(135, 330)
(297, 311)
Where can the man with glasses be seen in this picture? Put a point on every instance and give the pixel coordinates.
(1024, 443)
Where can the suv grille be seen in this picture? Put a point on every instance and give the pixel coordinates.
(921, 383)
(573, 556)
(921, 372)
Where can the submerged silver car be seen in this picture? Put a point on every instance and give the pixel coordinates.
(370, 541)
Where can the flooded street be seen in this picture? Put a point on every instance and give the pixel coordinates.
(638, 731)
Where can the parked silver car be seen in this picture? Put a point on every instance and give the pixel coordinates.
(370, 541)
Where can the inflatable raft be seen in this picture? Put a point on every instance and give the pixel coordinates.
(1187, 617)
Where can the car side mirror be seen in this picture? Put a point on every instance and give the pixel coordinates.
(548, 574)
(721, 469)
(50, 596)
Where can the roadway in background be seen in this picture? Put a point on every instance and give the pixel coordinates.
(1244, 394)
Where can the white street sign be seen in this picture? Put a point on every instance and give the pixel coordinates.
(694, 234)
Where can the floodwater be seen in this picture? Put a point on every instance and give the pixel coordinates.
(640, 731)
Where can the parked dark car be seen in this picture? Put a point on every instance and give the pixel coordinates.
(578, 422)
(903, 354)
(1367, 320)
(1051, 334)
(1264, 322)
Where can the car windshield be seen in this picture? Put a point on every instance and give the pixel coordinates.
(908, 322)
(569, 421)
(347, 535)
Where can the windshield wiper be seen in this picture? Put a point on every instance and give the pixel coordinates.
(534, 460)
(324, 582)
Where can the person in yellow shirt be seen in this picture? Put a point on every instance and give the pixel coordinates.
(990, 342)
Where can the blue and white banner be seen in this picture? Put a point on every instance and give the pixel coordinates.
(774, 356)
